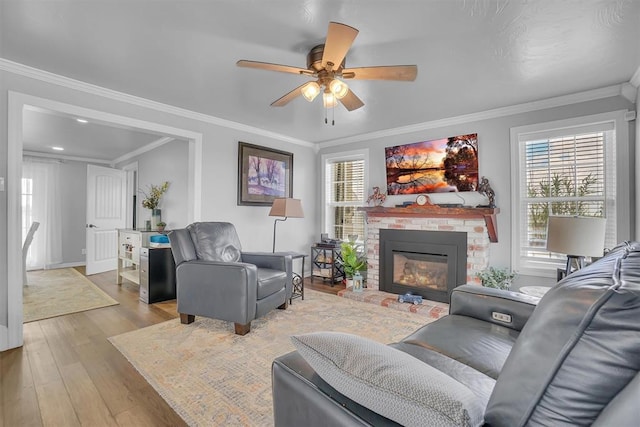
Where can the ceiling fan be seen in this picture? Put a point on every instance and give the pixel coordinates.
(326, 63)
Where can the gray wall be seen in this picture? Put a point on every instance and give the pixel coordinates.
(637, 175)
(168, 162)
(494, 154)
(73, 194)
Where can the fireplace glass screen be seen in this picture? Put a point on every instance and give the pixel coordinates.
(420, 270)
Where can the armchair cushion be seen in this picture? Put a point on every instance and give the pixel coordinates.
(480, 345)
(388, 381)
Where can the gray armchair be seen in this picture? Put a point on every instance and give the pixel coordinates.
(216, 279)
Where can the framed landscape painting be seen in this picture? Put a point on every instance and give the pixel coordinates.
(264, 174)
(436, 166)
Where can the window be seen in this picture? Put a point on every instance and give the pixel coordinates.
(344, 193)
(561, 171)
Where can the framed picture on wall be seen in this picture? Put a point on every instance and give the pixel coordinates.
(264, 174)
(436, 166)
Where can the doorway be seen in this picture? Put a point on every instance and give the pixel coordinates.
(11, 335)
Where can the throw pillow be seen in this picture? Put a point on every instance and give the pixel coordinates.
(388, 381)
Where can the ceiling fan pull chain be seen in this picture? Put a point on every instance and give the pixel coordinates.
(333, 116)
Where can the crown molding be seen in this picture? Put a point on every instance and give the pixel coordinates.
(45, 76)
(543, 104)
(63, 157)
(150, 146)
(635, 79)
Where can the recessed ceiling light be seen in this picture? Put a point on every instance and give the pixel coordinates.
(57, 148)
(82, 121)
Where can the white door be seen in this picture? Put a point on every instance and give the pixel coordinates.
(106, 212)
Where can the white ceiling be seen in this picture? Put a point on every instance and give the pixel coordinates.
(472, 55)
(44, 129)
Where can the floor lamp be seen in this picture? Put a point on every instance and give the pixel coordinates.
(577, 237)
(287, 208)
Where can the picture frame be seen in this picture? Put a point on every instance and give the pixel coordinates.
(436, 166)
(264, 174)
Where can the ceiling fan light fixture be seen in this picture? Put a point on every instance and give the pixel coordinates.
(338, 88)
(310, 91)
(329, 99)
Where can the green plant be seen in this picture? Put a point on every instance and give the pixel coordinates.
(559, 186)
(352, 260)
(499, 278)
(152, 198)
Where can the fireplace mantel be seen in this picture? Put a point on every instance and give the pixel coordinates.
(434, 211)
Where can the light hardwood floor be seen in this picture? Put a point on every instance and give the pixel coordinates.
(68, 373)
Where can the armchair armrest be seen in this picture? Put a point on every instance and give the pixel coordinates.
(227, 289)
(274, 261)
(481, 303)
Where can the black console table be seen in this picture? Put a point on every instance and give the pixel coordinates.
(157, 275)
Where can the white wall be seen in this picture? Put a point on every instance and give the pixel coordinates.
(219, 171)
(494, 161)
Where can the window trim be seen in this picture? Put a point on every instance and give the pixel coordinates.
(623, 190)
(362, 154)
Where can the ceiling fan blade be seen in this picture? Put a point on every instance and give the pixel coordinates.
(284, 100)
(339, 40)
(273, 67)
(351, 101)
(388, 72)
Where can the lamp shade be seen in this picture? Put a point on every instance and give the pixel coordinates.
(287, 207)
(575, 235)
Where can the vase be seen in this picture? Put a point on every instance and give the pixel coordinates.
(156, 217)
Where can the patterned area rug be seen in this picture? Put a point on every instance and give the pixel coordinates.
(210, 376)
(52, 293)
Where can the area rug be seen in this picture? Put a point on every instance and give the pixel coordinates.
(52, 293)
(210, 376)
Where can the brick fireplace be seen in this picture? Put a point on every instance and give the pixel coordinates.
(479, 224)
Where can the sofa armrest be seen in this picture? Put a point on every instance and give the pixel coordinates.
(227, 289)
(302, 398)
(488, 304)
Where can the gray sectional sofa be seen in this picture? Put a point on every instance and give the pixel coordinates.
(498, 359)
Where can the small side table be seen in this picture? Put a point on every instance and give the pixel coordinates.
(297, 281)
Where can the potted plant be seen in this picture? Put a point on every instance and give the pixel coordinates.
(353, 262)
(161, 225)
(499, 278)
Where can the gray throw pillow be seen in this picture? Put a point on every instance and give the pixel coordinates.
(388, 381)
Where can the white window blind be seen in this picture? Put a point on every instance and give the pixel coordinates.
(563, 172)
(345, 181)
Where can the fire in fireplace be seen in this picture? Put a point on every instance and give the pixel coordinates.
(420, 270)
(427, 263)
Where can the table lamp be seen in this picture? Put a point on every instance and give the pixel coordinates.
(285, 207)
(576, 236)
